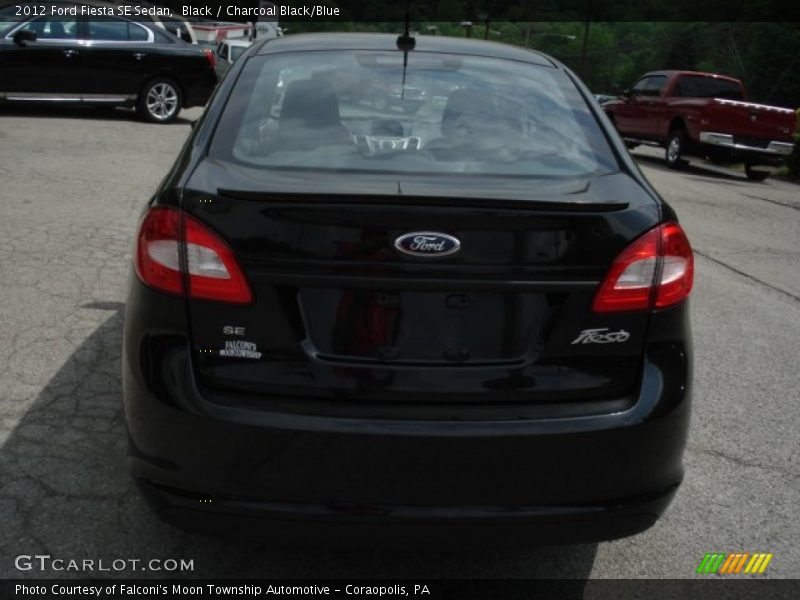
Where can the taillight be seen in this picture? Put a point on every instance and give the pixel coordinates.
(663, 252)
(677, 268)
(213, 273)
(210, 57)
(157, 259)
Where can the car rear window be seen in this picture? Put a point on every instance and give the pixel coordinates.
(445, 114)
(696, 86)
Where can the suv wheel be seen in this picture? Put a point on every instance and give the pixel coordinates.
(676, 145)
(160, 101)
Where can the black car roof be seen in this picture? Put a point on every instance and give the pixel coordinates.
(384, 41)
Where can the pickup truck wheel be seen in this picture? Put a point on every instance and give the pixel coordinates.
(755, 174)
(675, 148)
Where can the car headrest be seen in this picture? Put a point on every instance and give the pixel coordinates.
(466, 110)
(310, 103)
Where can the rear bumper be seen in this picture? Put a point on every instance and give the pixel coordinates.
(723, 141)
(333, 523)
(228, 469)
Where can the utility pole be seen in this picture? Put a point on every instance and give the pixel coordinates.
(735, 48)
(486, 16)
(586, 38)
(527, 23)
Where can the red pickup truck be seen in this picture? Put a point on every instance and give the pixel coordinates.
(704, 115)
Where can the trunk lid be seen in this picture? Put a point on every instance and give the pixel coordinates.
(341, 314)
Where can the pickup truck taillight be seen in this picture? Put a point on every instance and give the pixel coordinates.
(655, 271)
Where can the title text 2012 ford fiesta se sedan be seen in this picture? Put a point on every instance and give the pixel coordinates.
(467, 317)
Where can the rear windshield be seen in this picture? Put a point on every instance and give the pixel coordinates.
(351, 112)
(696, 86)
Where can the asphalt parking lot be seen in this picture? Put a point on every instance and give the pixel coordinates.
(72, 186)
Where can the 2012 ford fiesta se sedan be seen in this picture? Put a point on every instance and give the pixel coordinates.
(464, 317)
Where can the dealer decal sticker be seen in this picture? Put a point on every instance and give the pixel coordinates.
(240, 349)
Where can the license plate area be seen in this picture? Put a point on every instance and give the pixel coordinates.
(420, 327)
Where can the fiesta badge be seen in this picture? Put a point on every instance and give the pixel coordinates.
(427, 243)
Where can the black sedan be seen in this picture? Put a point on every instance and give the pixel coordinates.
(469, 318)
(103, 60)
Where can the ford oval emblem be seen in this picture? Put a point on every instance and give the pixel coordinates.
(427, 243)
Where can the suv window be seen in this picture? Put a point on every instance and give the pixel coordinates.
(697, 86)
(137, 33)
(162, 37)
(350, 111)
(116, 30)
(53, 28)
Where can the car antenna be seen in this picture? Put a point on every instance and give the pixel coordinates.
(406, 43)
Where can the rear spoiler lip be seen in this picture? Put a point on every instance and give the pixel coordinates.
(406, 200)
